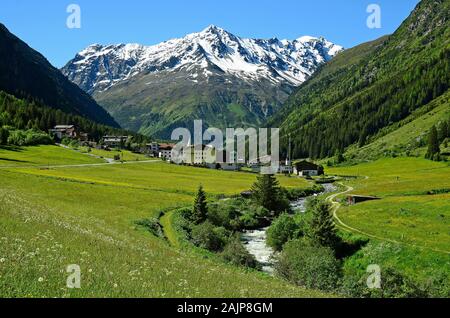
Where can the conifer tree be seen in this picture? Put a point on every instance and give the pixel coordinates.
(200, 211)
(321, 229)
(267, 193)
(433, 144)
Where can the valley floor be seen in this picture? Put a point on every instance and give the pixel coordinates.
(60, 207)
(54, 217)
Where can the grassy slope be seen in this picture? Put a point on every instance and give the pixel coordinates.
(125, 155)
(402, 137)
(53, 218)
(405, 214)
(42, 155)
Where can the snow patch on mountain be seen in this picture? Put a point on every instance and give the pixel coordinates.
(99, 67)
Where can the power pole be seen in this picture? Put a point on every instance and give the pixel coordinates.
(289, 156)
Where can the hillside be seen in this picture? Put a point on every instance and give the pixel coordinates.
(25, 73)
(372, 86)
(214, 75)
(406, 137)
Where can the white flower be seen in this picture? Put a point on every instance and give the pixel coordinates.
(2, 260)
(40, 279)
(115, 285)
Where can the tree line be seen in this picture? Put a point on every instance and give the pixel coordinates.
(28, 114)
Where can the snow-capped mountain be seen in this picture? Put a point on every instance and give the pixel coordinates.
(143, 86)
(99, 67)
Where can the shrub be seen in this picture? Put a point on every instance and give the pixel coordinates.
(207, 236)
(393, 285)
(225, 213)
(235, 253)
(307, 265)
(152, 225)
(4, 134)
(28, 138)
(236, 214)
(282, 230)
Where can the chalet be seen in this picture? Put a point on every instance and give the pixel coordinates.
(114, 141)
(165, 151)
(307, 169)
(153, 149)
(64, 131)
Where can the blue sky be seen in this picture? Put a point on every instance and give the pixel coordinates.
(42, 24)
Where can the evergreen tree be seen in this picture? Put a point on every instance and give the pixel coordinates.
(4, 134)
(433, 144)
(443, 131)
(320, 229)
(267, 193)
(200, 211)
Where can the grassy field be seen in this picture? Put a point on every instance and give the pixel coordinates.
(406, 213)
(86, 216)
(125, 155)
(13, 156)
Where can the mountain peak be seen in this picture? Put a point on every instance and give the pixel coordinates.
(213, 28)
(98, 67)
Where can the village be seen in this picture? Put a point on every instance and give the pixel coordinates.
(204, 156)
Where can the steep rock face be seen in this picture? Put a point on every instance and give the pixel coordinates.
(211, 75)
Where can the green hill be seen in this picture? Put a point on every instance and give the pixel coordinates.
(27, 74)
(372, 87)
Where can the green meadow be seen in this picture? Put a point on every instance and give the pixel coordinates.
(54, 217)
(13, 156)
(413, 213)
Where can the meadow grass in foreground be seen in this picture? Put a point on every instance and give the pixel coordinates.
(53, 218)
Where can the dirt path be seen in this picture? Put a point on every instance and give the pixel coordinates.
(335, 207)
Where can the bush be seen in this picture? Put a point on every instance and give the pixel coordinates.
(236, 214)
(393, 285)
(207, 236)
(153, 226)
(225, 213)
(308, 265)
(28, 138)
(235, 253)
(4, 134)
(282, 230)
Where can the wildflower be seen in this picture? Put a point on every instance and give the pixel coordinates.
(40, 279)
(2, 260)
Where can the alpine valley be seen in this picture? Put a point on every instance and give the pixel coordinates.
(214, 75)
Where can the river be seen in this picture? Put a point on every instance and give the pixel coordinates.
(255, 240)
